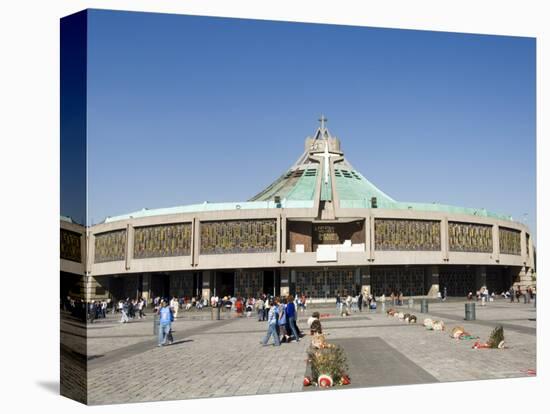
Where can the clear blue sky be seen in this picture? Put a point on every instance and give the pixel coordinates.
(185, 109)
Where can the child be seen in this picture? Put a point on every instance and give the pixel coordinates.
(314, 324)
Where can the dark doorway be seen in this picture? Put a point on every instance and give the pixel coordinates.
(116, 288)
(225, 283)
(197, 283)
(160, 285)
(269, 282)
(70, 285)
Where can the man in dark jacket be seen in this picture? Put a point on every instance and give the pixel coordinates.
(291, 317)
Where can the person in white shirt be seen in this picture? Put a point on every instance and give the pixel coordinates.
(174, 305)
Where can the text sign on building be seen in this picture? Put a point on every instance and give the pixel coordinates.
(325, 234)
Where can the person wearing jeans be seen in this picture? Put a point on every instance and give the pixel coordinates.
(272, 319)
(291, 315)
(165, 322)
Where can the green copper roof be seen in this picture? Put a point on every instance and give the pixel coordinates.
(351, 185)
(297, 187)
(194, 208)
(295, 184)
(304, 189)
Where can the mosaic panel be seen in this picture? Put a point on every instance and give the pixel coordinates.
(470, 237)
(399, 234)
(409, 281)
(162, 240)
(321, 284)
(110, 246)
(70, 247)
(510, 241)
(312, 283)
(249, 283)
(458, 281)
(239, 236)
(181, 284)
(341, 281)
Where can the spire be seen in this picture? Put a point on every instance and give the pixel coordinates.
(323, 120)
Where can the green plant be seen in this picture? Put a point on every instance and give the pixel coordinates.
(497, 336)
(329, 360)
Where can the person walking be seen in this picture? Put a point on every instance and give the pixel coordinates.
(518, 293)
(282, 322)
(166, 317)
(123, 306)
(131, 308)
(360, 302)
(260, 309)
(140, 309)
(174, 306)
(272, 320)
(267, 306)
(291, 315)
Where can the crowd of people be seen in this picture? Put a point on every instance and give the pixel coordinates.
(281, 320)
(528, 295)
(355, 303)
(264, 307)
(130, 309)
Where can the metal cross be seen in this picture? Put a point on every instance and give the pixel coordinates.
(326, 155)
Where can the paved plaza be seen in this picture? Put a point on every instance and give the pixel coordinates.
(212, 358)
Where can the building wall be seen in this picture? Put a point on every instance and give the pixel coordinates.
(475, 243)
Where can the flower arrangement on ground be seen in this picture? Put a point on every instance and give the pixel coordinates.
(328, 363)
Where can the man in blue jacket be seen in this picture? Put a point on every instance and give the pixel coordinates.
(165, 322)
(291, 315)
(272, 319)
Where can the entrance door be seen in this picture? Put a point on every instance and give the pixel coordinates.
(160, 285)
(116, 288)
(197, 284)
(225, 284)
(269, 282)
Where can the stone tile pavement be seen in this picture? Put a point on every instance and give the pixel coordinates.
(224, 358)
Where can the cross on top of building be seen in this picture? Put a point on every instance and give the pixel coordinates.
(323, 120)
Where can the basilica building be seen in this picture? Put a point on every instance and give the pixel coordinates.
(319, 229)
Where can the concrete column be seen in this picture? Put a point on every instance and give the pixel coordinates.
(285, 282)
(146, 286)
(524, 278)
(86, 288)
(369, 237)
(196, 241)
(91, 253)
(496, 244)
(531, 256)
(283, 238)
(84, 241)
(481, 277)
(523, 244)
(209, 283)
(365, 280)
(445, 239)
(129, 246)
(433, 280)
(193, 224)
(279, 237)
